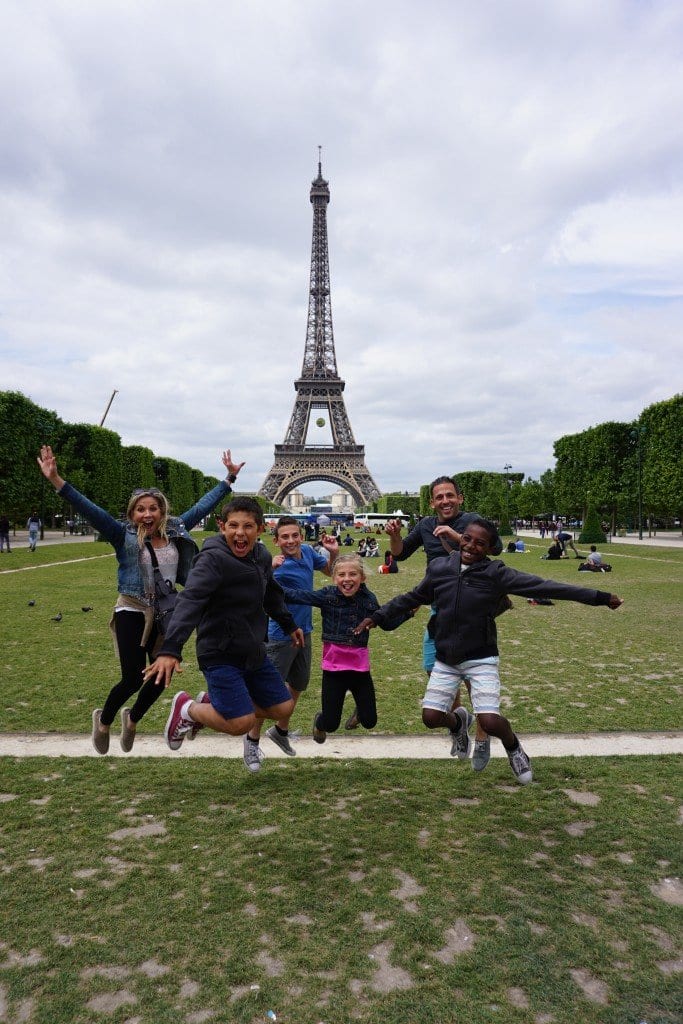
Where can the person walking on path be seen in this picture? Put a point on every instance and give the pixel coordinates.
(466, 587)
(5, 527)
(33, 526)
(230, 593)
(135, 635)
(294, 567)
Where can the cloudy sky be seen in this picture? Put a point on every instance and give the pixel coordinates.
(504, 229)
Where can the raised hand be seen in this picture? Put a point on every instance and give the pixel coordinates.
(47, 463)
(233, 468)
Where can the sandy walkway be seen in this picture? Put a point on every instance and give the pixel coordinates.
(344, 747)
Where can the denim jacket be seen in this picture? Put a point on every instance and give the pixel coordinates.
(123, 536)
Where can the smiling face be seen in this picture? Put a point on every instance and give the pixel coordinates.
(241, 531)
(288, 539)
(147, 513)
(446, 501)
(475, 544)
(348, 575)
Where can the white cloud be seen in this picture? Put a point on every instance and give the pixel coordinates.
(506, 188)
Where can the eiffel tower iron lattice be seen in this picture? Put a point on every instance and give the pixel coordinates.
(319, 389)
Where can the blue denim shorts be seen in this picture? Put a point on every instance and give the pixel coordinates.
(235, 692)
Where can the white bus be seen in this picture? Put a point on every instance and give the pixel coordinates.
(365, 520)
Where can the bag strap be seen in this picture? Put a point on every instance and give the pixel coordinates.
(152, 554)
(156, 571)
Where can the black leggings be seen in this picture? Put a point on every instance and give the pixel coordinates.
(334, 689)
(129, 628)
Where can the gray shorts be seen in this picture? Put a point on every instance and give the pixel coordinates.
(293, 663)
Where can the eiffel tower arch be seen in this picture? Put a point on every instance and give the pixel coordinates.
(319, 391)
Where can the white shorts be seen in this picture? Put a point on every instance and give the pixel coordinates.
(481, 674)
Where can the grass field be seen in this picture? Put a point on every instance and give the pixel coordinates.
(151, 891)
(565, 668)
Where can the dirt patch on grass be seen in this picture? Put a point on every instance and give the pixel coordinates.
(387, 977)
(670, 890)
(458, 939)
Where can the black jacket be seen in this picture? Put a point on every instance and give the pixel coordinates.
(228, 600)
(464, 626)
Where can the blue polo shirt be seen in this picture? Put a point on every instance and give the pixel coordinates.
(297, 574)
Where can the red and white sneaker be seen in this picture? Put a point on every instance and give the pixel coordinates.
(177, 726)
(201, 698)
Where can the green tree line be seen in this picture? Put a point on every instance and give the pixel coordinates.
(91, 458)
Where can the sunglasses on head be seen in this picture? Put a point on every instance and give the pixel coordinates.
(152, 491)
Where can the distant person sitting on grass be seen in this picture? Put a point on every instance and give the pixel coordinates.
(346, 659)
(465, 589)
(594, 562)
(229, 595)
(389, 565)
(594, 558)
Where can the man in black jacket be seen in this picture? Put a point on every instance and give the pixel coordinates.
(229, 595)
(466, 588)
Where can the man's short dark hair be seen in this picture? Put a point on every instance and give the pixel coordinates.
(445, 480)
(243, 504)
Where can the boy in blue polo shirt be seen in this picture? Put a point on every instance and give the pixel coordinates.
(293, 569)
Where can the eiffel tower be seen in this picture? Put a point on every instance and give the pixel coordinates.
(319, 389)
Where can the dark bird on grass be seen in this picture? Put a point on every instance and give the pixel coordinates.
(31, 604)
(86, 608)
(58, 617)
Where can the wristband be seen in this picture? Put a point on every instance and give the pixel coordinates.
(232, 477)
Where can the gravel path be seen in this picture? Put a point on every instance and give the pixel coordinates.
(342, 747)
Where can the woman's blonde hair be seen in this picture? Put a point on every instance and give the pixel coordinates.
(160, 498)
(354, 560)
